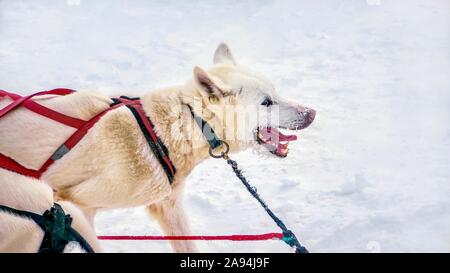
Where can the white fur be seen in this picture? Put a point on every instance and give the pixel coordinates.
(19, 234)
(113, 167)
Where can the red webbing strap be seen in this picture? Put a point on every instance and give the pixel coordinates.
(77, 136)
(9, 164)
(137, 105)
(40, 109)
(149, 128)
(252, 237)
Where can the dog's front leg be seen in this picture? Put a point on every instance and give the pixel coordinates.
(173, 221)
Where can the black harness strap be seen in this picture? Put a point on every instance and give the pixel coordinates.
(159, 149)
(213, 140)
(56, 226)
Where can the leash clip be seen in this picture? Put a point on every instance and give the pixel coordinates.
(223, 154)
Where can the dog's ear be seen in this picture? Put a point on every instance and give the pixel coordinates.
(208, 84)
(223, 55)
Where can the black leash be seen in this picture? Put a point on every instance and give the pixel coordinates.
(214, 142)
(56, 226)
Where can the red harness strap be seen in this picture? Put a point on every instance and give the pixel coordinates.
(40, 109)
(82, 126)
(163, 154)
(243, 237)
(73, 140)
(155, 143)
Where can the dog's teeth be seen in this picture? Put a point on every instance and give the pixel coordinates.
(261, 137)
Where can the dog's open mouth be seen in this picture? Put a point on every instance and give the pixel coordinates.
(275, 141)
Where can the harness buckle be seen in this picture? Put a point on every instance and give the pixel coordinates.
(60, 152)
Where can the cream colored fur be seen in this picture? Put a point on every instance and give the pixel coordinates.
(18, 234)
(113, 166)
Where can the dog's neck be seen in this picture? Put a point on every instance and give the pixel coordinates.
(175, 126)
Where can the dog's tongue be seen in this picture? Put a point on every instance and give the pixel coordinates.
(275, 136)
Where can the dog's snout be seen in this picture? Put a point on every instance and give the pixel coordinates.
(304, 116)
(308, 116)
(311, 115)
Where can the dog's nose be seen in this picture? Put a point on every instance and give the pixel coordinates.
(311, 115)
(308, 115)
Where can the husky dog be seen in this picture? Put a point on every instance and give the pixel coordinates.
(113, 167)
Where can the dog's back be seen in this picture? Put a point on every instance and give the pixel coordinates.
(30, 139)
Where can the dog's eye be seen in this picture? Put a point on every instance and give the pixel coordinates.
(267, 102)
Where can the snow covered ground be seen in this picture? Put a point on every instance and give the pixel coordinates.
(371, 174)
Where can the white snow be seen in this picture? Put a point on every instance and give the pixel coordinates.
(372, 172)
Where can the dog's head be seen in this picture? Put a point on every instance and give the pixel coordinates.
(244, 107)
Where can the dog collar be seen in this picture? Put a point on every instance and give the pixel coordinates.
(207, 131)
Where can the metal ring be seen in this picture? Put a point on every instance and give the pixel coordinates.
(222, 154)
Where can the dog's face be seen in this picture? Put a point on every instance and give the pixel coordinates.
(247, 107)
